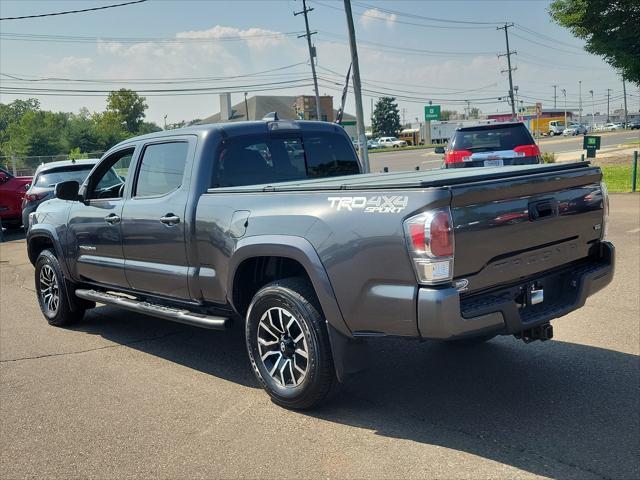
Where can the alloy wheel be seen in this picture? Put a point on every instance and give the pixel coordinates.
(49, 290)
(282, 346)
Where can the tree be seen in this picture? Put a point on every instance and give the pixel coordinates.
(129, 106)
(386, 118)
(609, 27)
(447, 115)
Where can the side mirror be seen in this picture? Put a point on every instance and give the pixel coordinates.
(68, 190)
(439, 150)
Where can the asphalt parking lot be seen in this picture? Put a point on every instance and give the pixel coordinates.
(123, 395)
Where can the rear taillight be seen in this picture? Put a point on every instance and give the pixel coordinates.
(527, 150)
(34, 197)
(431, 245)
(456, 156)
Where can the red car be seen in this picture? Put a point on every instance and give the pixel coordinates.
(12, 190)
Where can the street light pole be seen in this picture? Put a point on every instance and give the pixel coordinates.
(593, 112)
(580, 103)
(564, 92)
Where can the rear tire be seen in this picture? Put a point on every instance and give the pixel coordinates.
(51, 291)
(288, 344)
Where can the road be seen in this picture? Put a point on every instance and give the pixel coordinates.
(426, 159)
(122, 395)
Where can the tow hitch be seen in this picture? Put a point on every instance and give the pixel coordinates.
(541, 332)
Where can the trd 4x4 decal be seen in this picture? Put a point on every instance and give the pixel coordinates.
(374, 204)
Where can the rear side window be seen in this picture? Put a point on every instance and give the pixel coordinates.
(161, 168)
(264, 159)
(329, 156)
(490, 139)
(49, 178)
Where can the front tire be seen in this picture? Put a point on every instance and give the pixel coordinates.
(288, 344)
(51, 290)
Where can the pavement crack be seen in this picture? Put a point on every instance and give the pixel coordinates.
(62, 354)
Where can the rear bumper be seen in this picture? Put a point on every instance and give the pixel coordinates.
(507, 162)
(444, 314)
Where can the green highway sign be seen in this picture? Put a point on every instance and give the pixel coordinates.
(431, 112)
(591, 143)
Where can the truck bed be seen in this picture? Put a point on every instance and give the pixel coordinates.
(407, 179)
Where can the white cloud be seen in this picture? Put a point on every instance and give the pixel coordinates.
(70, 66)
(373, 16)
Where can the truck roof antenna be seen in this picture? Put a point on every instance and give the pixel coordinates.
(271, 117)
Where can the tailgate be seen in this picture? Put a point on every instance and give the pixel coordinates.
(512, 228)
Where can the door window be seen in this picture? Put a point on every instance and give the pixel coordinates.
(109, 178)
(161, 169)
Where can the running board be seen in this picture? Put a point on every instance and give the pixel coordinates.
(168, 313)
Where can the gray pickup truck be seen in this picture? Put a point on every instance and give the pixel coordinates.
(273, 225)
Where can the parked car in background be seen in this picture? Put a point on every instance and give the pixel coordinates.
(556, 127)
(12, 190)
(394, 142)
(373, 144)
(634, 124)
(493, 145)
(575, 129)
(48, 175)
(610, 127)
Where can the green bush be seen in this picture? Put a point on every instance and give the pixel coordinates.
(549, 157)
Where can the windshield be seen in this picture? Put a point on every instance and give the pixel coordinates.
(49, 178)
(484, 140)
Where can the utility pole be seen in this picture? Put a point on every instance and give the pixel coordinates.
(564, 92)
(509, 69)
(246, 107)
(580, 104)
(362, 138)
(608, 96)
(624, 93)
(554, 96)
(468, 109)
(312, 52)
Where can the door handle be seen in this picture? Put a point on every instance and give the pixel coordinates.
(112, 219)
(170, 219)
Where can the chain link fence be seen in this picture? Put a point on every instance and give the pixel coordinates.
(27, 165)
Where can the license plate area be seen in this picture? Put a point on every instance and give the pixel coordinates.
(494, 163)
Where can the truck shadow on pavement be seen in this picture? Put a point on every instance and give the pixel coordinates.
(555, 409)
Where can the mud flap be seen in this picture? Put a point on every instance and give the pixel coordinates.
(350, 355)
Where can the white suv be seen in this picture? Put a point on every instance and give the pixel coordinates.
(392, 142)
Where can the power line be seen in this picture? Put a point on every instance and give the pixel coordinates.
(53, 14)
(21, 77)
(34, 37)
(432, 19)
(424, 25)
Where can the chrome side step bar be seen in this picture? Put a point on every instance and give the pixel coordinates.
(168, 313)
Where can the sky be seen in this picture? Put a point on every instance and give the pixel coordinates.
(181, 54)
